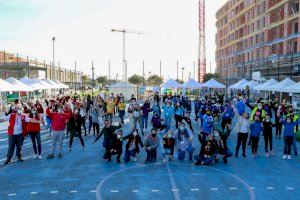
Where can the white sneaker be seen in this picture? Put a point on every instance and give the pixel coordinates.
(40, 157)
(289, 157)
(84, 149)
(268, 155)
(284, 157)
(34, 156)
(134, 159)
(164, 160)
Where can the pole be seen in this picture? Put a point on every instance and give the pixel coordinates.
(124, 56)
(182, 74)
(160, 70)
(143, 73)
(75, 76)
(109, 70)
(53, 58)
(177, 70)
(93, 76)
(28, 69)
(278, 68)
(45, 67)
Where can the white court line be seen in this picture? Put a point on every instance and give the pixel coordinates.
(194, 189)
(214, 189)
(289, 188)
(155, 190)
(13, 194)
(93, 191)
(270, 188)
(232, 188)
(73, 191)
(114, 191)
(33, 193)
(175, 190)
(252, 188)
(53, 192)
(135, 191)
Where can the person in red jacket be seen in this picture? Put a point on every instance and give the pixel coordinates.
(33, 130)
(16, 132)
(59, 123)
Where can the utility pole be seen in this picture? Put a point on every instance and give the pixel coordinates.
(160, 70)
(75, 76)
(177, 70)
(53, 58)
(93, 78)
(109, 70)
(182, 74)
(143, 73)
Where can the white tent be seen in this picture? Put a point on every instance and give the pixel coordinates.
(45, 85)
(52, 83)
(171, 84)
(212, 83)
(62, 86)
(282, 85)
(236, 85)
(293, 88)
(123, 87)
(32, 82)
(266, 85)
(192, 84)
(6, 86)
(251, 84)
(19, 86)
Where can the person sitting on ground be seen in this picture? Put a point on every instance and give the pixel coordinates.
(151, 144)
(132, 146)
(168, 145)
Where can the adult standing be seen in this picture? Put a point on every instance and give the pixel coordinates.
(75, 123)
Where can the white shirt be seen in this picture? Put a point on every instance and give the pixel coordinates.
(244, 126)
(18, 124)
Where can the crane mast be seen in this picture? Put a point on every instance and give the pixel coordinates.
(202, 48)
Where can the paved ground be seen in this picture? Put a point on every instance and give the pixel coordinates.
(85, 175)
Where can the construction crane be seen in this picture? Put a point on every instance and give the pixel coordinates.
(124, 32)
(202, 48)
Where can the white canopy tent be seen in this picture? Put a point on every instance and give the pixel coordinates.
(251, 84)
(192, 84)
(266, 85)
(19, 86)
(45, 85)
(6, 86)
(32, 82)
(62, 86)
(236, 85)
(171, 84)
(212, 83)
(279, 87)
(125, 88)
(52, 83)
(293, 88)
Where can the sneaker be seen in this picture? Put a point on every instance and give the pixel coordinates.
(7, 162)
(289, 157)
(272, 153)
(35, 156)
(20, 159)
(84, 149)
(164, 160)
(134, 159)
(267, 154)
(253, 156)
(50, 156)
(60, 156)
(40, 157)
(69, 150)
(244, 155)
(284, 157)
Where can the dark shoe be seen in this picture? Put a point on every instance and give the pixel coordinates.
(225, 160)
(244, 155)
(118, 161)
(296, 153)
(50, 156)
(198, 163)
(20, 159)
(60, 156)
(147, 161)
(7, 162)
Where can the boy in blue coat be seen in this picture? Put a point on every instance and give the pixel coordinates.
(256, 129)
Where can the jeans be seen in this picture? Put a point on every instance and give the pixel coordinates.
(57, 136)
(181, 154)
(242, 139)
(151, 155)
(121, 115)
(128, 154)
(83, 124)
(295, 146)
(145, 121)
(14, 141)
(255, 141)
(206, 160)
(268, 140)
(139, 121)
(71, 140)
(168, 122)
(96, 128)
(36, 139)
(167, 151)
(288, 141)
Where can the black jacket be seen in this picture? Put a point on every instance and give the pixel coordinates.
(138, 141)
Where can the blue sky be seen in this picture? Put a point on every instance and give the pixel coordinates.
(82, 29)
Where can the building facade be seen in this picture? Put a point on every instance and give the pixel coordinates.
(259, 36)
(11, 65)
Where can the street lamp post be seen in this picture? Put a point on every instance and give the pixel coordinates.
(53, 57)
(182, 74)
(117, 75)
(75, 76)
(93, 78)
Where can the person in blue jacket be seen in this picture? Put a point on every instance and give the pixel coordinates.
(288, 133)
(228, 115)
(241, 106)
(179, 114)
(168, 114)
(256, 129)
(207, 125)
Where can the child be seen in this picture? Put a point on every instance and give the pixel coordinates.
(169, 143)
(288, 133)
(256, 129)
(267, 131)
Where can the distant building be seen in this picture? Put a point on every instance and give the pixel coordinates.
(258, 36)
(12, 65)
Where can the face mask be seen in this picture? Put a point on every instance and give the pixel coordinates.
(59, 110)
(259, 107)
(182, 128)
(135, 133)
(13, 107)
(33, 112)
(154, 135)
(267, 120)
(119, 136)
(20, 112)
(169, 135)
(288, 121)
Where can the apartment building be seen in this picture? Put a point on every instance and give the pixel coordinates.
(258, 36)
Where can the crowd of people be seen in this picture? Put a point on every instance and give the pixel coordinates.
(119, 123)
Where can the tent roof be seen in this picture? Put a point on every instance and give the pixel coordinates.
(172, 84)
(212, 83)
(236, 85)
(45, 85)
(52, 83)
(62, 86)
(19, 86)
(192, 84)
(293, 88)
(32, 82)
(251, 85)
(6, 86)
(122, 85)
(266, 85)
(282, 85)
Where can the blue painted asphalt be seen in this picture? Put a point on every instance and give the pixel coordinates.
(85, 175)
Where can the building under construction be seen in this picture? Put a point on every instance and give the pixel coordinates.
(258, 36)
(12, 65)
